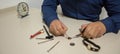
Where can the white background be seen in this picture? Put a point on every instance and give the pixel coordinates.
(32, 3)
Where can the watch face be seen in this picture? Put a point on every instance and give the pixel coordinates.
(23, 9)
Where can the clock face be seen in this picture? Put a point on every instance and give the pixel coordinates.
(23, 9)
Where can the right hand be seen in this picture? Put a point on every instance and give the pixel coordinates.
(93, 30)
(57, 28)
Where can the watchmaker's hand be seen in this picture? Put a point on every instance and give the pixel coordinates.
(93, 30)
(57, 28)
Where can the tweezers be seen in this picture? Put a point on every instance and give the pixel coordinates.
(89, 44)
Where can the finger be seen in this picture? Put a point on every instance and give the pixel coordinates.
(87, 31)
(99, 35)
(57, 33)
(82, 30)
(50, 29)
(56, 27)
(60, 28)
(83, 26)
(64, 28)
(91, 32)
(89, 35)
(94, 33)
(98, 32)
(54, 31)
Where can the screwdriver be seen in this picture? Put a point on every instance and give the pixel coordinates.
(45, 41)
(48, 35)
(37, 33)
(66, 36)
(89, 44)
(81, 34)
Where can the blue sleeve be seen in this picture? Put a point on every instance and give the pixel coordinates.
(112, 23)
(49, 11)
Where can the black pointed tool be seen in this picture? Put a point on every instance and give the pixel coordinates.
(89, 44)
(49, 36)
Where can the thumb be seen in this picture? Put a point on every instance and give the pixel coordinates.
(83, 27)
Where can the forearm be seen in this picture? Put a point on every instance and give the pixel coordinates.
(112, 23)
(49, 11)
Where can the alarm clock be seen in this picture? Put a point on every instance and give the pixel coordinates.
(22, 9)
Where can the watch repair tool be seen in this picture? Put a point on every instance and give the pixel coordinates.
(76, 36)
(45, 41)
(37, 33)
(41, 39)
(89, 44)
(52, 47)
(48, 35)
(66, 36)
(22, 9)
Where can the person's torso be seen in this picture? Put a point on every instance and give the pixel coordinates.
(82, 9)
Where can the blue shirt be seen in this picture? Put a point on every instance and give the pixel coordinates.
(86, 10)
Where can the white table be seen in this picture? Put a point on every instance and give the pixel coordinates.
(15, 33)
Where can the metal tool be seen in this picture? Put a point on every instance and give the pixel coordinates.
(45, 41)
(37, 33)
(48, 35)
(89, 44)
(52, 47)
(67, 37)
(76, 36)
(41, 39)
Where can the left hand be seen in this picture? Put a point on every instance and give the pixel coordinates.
(93, 30)
(57, 28)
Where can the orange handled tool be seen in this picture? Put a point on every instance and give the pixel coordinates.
(37, 33)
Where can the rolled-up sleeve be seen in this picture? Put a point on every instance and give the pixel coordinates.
(112, 23)
(49, 10)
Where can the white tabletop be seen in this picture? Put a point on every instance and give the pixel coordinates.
(15, 33)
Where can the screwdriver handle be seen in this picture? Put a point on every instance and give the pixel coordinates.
(46, 30)
(37, 33)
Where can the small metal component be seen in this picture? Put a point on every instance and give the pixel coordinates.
(45, 41)
(40, 38)
(66, 36)
(72, 44)
(52, 47)
(69, 38)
